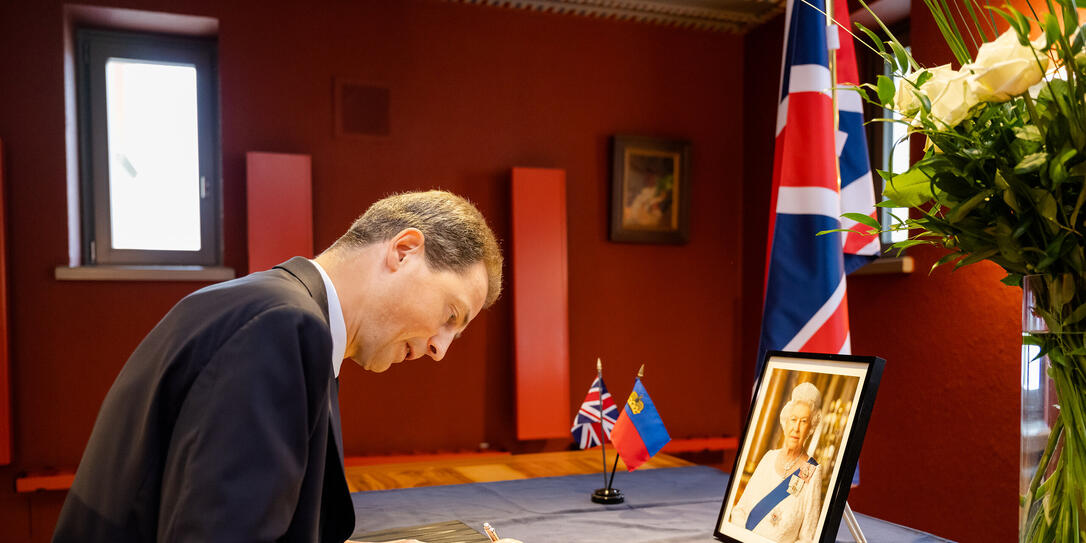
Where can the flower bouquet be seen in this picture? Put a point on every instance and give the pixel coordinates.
(1003, 178)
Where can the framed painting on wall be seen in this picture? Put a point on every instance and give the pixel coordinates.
(650, 190)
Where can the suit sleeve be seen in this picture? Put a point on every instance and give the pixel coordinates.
(239, 449)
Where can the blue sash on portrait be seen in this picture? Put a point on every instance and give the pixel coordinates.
(775, 496)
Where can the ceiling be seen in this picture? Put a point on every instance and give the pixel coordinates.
(734, 16)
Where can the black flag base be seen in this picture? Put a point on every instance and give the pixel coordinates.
(608, 496)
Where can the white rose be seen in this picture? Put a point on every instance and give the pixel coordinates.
(1005, 68)
(905, 101)
(950, 95)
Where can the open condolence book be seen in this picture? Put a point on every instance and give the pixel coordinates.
(452, 531)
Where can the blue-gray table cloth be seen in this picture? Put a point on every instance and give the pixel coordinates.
(668, 505)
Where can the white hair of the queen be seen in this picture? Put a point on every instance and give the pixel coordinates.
(808, 394)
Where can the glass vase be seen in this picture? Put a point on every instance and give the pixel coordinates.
(1053, 410)
(1038, 400)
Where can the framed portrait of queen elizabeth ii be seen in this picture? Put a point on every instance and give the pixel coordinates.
(799, 448)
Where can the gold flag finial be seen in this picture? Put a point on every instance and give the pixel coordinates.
(599, 366)
(641, 372)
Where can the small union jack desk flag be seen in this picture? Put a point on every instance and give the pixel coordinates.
(586, 427)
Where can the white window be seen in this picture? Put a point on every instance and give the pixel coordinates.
(149, 151)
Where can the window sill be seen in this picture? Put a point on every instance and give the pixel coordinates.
(883, 266)
(143, 273)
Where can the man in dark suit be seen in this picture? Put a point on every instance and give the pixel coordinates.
(224, 423)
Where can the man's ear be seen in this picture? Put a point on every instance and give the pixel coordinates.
(408, 243)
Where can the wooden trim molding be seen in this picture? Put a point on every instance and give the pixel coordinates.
(887, 265)
(734, 16)
(143, 273)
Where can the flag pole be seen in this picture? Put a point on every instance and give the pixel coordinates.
(607, 494)
(833, 43)
(640, 374)
(603, 428)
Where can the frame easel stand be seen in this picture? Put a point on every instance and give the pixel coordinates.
(853, 526)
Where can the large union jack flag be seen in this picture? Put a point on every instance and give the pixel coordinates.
(806, 308)
(586, 427)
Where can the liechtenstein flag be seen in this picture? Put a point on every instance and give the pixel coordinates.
(639, 432)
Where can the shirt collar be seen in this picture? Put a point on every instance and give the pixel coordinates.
(335, 320)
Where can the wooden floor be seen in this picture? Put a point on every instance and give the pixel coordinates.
(477, 469)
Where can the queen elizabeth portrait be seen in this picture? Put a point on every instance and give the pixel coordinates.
(782, 500)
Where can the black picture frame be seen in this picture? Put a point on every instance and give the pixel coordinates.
(847, 386)
(650, 190)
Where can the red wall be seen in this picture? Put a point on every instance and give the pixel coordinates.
(941, 452)
(474, 92)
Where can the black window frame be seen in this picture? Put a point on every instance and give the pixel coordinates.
(94, 48)
(879, 140)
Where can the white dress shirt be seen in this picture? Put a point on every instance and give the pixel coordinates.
(335, 320)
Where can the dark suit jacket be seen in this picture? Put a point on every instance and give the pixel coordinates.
(223, 425)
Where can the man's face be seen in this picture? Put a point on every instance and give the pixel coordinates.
(422, 312)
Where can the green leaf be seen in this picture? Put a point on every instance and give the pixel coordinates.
(1076, 45)
(1031, 163)
(886, 90)
(833, 231)
(975, 257)
(901, 56)
(866, 220)
(1047, 208)
(1052, 30)
(1077, 315)
(1023, 22)
(963, 209)
(1012, 22)
(1028, 133)
(925, 104)
(923, 77)
(946, 258)
(874, 38)
(1011, 201)
(1013, 280)
(909, 189)
(905, 244)
(1067, 288)
(976, 22)
(1070, 18)
(1057, 167)
(900, 223)
(1028, 339)
(1009, 248)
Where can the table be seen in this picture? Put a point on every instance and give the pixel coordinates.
(668, 505)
